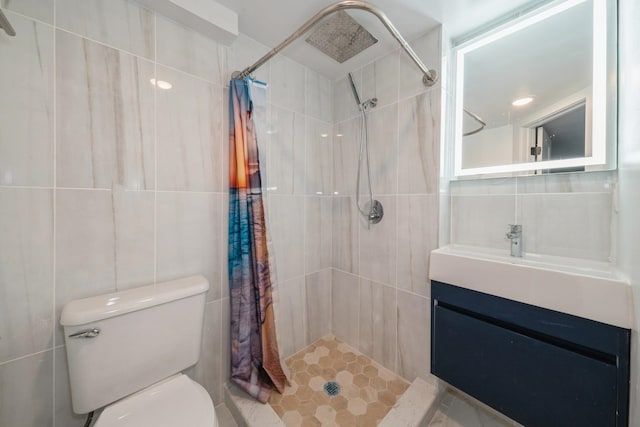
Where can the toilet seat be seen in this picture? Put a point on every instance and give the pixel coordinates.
(175, 402)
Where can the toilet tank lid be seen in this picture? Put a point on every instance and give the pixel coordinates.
(87, 310)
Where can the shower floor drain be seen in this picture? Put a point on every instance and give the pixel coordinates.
(332, 388)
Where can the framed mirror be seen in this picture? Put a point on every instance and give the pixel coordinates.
(537, 94)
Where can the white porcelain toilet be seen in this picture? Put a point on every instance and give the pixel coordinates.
(126, 351)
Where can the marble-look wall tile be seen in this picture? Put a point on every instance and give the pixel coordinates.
(383, 150)
(574, 225)
(317, 233)
(377, 337)
(378, 245)
(64, 415)
(134, 238)
(291, 317)
(225, 343)
(288, 84)
(243, 53)
(344, 240)
(224, 246)
(85, 245)
(188, 237)
(190, 138)
(414, 336)
(41, 10)
(122, 24)
(26, 105)
(345, 306)
(27, 397)
(479, 187)
(417, 237)
(346, 149)
(318, 96)
(427, 47)
(344, 105)
(287, 152)
(286, 222)
(208, 370)
(380, 79)
(419, 143)
(97, 250)
(318, 304)
(592, 182)
(105, 116)
(189, 51)
(26, 281)
(319, 160)
(482, 220)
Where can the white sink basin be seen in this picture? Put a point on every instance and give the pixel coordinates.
(587, 289)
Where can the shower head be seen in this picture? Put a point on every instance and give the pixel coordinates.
(341, 37)
(354, 90)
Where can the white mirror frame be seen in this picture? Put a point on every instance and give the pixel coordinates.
(600, 103)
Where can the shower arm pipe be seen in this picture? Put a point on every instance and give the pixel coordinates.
(6, 25)
(430, 77)
(477, 119)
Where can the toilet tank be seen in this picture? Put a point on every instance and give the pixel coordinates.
(122, 342)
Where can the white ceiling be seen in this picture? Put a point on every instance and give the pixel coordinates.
(271, 21)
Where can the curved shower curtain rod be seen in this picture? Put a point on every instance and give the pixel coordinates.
(430, 77)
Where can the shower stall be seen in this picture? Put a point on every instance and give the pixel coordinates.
(352, 307)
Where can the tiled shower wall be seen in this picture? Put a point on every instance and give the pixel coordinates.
(107, 183)
(380, 288)
(567, 215)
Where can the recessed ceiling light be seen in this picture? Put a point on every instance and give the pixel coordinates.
(324, 135)
(522, 101)
(161, 84)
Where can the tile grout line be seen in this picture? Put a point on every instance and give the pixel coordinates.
(54, 209)
(155, 151)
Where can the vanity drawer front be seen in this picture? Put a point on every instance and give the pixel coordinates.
(534, 381)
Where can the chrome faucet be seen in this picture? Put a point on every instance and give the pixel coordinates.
(515, 235)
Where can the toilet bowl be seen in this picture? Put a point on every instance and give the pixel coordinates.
(176, 401)
(126, 351)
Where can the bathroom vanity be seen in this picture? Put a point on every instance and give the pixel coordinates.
(543, 344)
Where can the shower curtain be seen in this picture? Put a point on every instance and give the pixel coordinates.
(255, 359)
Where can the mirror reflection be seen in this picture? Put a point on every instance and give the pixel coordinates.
(525, 93)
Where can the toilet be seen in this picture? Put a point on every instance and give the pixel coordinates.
(126, 351)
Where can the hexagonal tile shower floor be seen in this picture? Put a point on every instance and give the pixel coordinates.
(362, 395)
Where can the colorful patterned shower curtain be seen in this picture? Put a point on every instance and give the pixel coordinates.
(255, 359)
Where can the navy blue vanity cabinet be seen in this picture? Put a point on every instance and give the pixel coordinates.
(539, 367)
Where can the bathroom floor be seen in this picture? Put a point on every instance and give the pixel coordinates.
(455, 411)
(334, 385)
